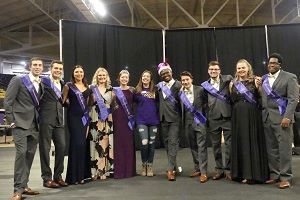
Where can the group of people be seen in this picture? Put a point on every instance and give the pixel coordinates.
(253, 114)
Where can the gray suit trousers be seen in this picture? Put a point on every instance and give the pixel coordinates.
(57, 134)
(26, 144)
(215, 130)
(279, 147)
(170, 131)
(197, 143)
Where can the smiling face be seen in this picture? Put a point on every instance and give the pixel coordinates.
(146, 78)
(242, 70)
(166, 75)
(273, 65)
(56, 70)
(124, 79)
(36, 67)
(78, 74)
(186, 81)
(214, 71)
(101, 77)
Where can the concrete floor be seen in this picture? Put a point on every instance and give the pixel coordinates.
(146, 188)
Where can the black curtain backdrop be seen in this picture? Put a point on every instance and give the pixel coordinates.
(112, 47)
(191, 50)
(285, 40)
(241, 43)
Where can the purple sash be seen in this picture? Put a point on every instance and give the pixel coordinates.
(280, 101)
(47, 81)
(85, 118)
(31, 89)
(241, 88)
(119, 93)
(168, 93)
(104, 112)
(198, 116)
(214, 92)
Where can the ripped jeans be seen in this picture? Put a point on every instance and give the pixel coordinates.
(147, 134)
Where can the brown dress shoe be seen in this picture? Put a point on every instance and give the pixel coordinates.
(16, 196)
(228, 176)
(218, 176)
(61, 183)
(270, 181)
(29, 191)
(203, 178)
(171, 176)
(284, 184)
(51, 184)
(194, 174)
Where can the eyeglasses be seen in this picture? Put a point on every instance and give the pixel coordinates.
(273, 63)
(213, 69)
(37, 65)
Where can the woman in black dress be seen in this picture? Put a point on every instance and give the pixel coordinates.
(76, 93)
(248, 156)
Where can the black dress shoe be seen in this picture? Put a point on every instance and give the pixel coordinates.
(50, 184)
(218, 176)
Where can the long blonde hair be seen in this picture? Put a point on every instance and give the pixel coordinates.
(95, 77)
(250, 74)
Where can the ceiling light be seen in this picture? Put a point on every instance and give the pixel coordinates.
(99, 7)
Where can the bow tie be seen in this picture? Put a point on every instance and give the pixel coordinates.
(215, 82)
(57, 81)
(271, 76)
(37, 80)
(187, 91)
(168, 84)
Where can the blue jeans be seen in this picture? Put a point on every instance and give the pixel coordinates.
(147, 134)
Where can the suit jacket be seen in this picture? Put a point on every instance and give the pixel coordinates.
(200, 101)
(51, 109)
(18, 104)
(217, 108)
(166, 109)
(285, 85)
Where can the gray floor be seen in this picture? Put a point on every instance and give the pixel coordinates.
(145, 188)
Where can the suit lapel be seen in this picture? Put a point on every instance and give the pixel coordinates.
(279, 77)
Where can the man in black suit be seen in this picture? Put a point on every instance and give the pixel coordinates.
(52, 127)
(21, 105)
(219, 117)
(279, 100)
(169, 111)
(193, 100)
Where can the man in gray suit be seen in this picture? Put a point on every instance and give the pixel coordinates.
(52, 127)
(219, 117)
(193, 100)
(279, 100)
(21, 105)
(169, 111)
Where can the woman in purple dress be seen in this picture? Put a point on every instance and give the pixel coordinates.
(147, 119)
(123, 123)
